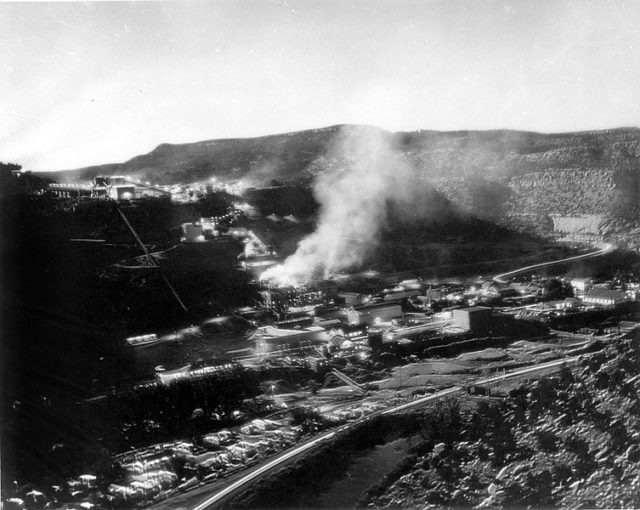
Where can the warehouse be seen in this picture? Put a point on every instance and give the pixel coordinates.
(269, 340)
(604, 297)
(476, 319)
(372, 314)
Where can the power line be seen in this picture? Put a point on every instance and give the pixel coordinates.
(150, 259)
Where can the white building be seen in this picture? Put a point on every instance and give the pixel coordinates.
(604, 297)
(581, 284)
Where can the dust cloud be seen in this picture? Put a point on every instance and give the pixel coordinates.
(355, 194)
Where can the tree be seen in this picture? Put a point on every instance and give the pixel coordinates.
(555, 288)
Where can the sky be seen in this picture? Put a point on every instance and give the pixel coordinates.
(85, 83)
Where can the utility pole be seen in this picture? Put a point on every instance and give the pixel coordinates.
(150, 259)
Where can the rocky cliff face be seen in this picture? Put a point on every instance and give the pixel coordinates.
(581, 186)
(583, 205)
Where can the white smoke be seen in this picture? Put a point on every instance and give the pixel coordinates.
(364, 177)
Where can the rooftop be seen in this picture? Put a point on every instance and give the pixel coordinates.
(474, 309)
(605, 294)
(375, 306)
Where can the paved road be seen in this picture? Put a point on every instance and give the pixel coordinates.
(456, 390)
(283, 458)
(606, 249)
(263, 469)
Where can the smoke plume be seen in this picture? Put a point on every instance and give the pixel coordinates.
(362, 177)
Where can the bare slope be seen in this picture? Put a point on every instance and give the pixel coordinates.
(523, 179)
(435, 154)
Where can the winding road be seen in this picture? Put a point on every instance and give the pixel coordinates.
(602, 251)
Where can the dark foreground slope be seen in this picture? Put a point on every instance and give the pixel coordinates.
(63, 321)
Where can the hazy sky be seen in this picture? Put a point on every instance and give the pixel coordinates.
(89, 83)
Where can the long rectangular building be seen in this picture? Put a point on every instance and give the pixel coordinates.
(269, 340)
(604, 297)
(371, 314)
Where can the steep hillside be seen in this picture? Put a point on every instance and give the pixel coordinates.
(539, 182)
(261, 159)
(435, 154)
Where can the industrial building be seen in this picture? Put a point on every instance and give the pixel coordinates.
(257, 256)
(257, 265)
(498, 290)
(70, 190)
(350, 299)
(374, 313)
(435, 294)
(192, 233)
(114, 187)
(269, 340)
(581, 285)
(399, 295)
(198, 370)
(415, 284)
(118, 187)
(341, 332)
(284, 300)
(476, 319)
(412, 331)
(209, 227)
(604, 297)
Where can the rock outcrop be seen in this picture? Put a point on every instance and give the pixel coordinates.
(568, 442)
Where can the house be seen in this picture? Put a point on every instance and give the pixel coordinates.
(604, 297)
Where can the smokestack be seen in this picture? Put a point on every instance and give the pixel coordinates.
(354, 197)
